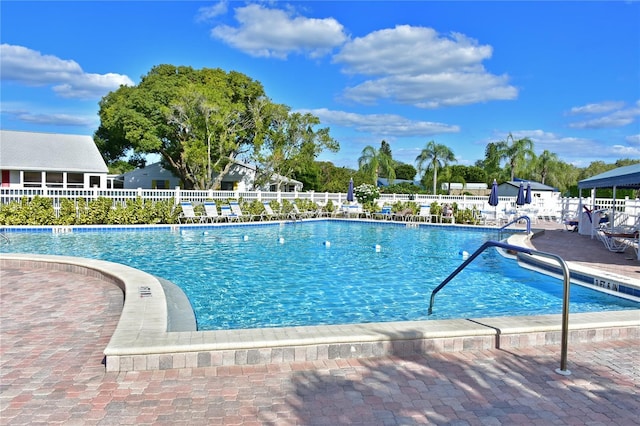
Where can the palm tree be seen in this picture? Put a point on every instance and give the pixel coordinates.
(546, 162)
(372, 162)
(516, 152)
(433, 156)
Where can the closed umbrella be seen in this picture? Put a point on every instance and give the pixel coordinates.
(527, 196)
(350, 191)
(520, 197)
(493, 197)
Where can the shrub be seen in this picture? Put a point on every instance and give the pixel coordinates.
(366, 193)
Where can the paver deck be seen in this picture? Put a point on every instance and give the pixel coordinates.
(53, 329)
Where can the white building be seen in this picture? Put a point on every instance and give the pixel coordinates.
(50, 160)
(240, 178)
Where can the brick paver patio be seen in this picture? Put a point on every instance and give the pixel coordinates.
(55, 327)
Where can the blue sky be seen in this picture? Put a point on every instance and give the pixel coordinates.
(564, 74)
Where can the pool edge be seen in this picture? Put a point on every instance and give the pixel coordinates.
(141, 342)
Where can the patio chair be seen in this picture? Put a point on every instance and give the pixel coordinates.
(235, 208)
(228, 215)
(384, 214)
(618, 242)
(211, 212)
(268, 213)
(424, 214)
(447, 214)
(188, 214)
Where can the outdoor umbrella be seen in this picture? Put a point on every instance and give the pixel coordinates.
(493, 197)
(520, 199)
(527, 197)
(350, 191)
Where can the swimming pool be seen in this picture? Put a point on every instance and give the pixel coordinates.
(325, 272)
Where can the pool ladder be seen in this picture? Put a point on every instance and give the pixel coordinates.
(565, 299)
(527, 218)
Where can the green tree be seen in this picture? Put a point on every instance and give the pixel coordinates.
(516, 152)
(545, 164)
(199, 121)
(432, 157)
(290, 144)
(405, 171)
(373, 163)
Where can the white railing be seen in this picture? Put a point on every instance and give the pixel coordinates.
(552, 207)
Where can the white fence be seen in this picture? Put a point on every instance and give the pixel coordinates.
(547, 207)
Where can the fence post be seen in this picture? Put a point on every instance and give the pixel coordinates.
(177, 196)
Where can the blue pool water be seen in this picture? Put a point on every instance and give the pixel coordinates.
(288, 275)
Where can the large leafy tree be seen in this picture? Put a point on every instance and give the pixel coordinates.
(516, 151)
(545, 164)
(432, 157)
(374, 163)
(199, 121)
(405, 171)
(290, 145)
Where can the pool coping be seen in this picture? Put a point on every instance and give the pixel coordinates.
(141, 340)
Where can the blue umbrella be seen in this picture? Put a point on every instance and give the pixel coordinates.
(493, 198)
(527, 197)
(520, 198)
(350, 191)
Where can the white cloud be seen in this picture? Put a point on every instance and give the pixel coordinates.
(634, 139)
(618, 116)
(208, 12)
(597, 108)
(417, 66)
(276, 33)
(31, 68)
(59, 119)
(383, 124)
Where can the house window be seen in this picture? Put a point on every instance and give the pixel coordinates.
(75, 180)
(227, 186)
(94, 181)
(159, 184)
(32, 179)
(54, 179)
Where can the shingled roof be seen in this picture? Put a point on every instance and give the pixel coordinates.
(33, 151)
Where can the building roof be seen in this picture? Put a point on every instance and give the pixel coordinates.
(535, 186)
(33, 151)
(622, 177)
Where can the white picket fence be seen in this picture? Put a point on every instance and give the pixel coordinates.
(554, 208)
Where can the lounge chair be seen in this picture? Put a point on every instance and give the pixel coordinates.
(447, 214)
(356, 211)
(384, 213)
(296, 213)
(229, 215)
(618, 242)
(211, 212)
(268, 213)
(424, 214)
(188, 214)
(235, 208)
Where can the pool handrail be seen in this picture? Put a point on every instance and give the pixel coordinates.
(565, 299)
(527, 218)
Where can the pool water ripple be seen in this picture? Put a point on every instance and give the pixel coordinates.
(245, 277)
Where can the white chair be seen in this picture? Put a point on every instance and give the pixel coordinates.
(229, 215)
(269, 213)
(424, 214)
(188, 214)
(211, 212)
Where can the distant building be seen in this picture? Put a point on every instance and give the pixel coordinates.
(473, 188)
(50, 160)
(240, 178)
(539, 192)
